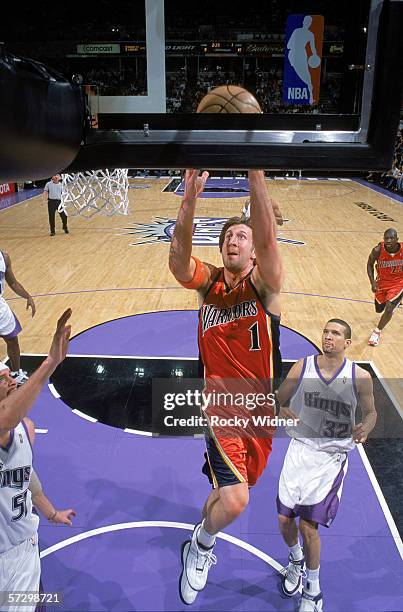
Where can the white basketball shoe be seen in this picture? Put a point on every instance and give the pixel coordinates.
(311, 603)
(20, 377)
(374, 338)
(292, 578)
(196, 563)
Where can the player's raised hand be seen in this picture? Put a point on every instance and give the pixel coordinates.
(60, 342)
(194, 184)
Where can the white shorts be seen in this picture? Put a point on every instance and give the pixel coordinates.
(9, 324)
(20, 570)
(311, 483)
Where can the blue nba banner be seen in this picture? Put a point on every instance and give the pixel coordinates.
(303, 59)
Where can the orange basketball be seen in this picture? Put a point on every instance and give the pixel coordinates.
(229, 99)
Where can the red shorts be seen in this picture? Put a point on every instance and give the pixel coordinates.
(389, 294)
(233, 460)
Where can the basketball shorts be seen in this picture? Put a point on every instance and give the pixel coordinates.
(311, 483)
(230, 461)
(20, 570)
(393, 294)
(9, 324)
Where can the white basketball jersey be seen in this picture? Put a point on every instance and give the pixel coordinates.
(326, 408)
(17, 522)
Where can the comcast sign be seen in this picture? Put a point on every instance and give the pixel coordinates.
(98, 48)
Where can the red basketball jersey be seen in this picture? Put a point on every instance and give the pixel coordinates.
(389, 268)
(238, 338)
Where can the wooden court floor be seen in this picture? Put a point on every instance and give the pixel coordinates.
(97, 272)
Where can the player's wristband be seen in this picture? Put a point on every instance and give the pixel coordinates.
(199, 276)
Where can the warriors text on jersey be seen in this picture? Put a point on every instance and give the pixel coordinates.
(389, 268)
(238, 338)
(17, 522)
(239, 351)
(326, 408)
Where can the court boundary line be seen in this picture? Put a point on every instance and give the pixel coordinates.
(385, 387)
(379, 190)
(382, 501)
(170, 524)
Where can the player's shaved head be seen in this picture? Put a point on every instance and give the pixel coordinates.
(390, 233)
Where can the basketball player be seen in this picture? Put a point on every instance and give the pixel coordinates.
(9, 325)
(19, 555)
(323, 391)
(238, 340)
(388, 286)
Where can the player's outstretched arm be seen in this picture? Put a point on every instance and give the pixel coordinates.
(269, 263)
(16, 405)
(365, 389)
(181, 263)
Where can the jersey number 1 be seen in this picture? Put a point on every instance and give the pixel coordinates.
(254, 334)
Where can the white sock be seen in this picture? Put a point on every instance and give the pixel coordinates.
(312, 581)
(204, 538)
(296, 551)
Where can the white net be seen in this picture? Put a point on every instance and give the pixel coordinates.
(96, 191)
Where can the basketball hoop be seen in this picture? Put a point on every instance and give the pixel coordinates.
(96, 191)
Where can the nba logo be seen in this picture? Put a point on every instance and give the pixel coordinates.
(303, 59)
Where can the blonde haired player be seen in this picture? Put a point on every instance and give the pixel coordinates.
(323, 391)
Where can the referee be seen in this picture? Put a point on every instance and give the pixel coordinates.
(53, 192)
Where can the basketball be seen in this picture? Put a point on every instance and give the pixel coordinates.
(314, 61)
(229, 99)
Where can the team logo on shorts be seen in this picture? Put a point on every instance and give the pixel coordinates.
(206, 231)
